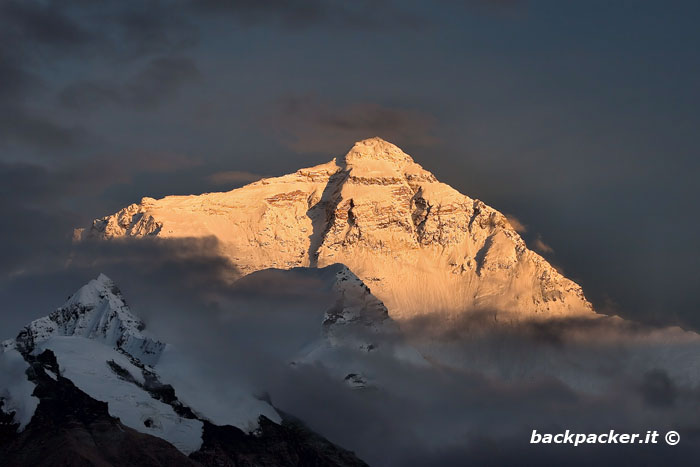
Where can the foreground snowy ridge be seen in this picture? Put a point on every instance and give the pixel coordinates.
(102, 348)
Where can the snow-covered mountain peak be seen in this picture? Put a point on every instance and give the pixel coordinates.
(95, 291)
(355, 304)
(421, 246)
(96, 311)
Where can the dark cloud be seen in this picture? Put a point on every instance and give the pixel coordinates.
(155, 28)
(90, 95)
(119, 29)
(160, 80)
(658, 389)
(310, 124)
(303, 12)
(27, 184)
(16, 81)
(362, 14)
(47, 187)
(30, 235)
(35, 35)
(18, 126)
(43, 22)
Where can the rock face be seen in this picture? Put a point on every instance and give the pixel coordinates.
(71, 428)
(419, 244)
(356, 312)
(287, 444)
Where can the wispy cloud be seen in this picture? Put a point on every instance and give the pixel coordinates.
(539, 245)
(516, 224)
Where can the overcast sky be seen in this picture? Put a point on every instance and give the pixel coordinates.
(578, 118)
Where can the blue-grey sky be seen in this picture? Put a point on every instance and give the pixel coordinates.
(578, 118)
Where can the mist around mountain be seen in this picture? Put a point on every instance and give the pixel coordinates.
(395, 317)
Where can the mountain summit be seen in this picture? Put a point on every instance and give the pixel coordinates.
(421, 246)
(377, 149)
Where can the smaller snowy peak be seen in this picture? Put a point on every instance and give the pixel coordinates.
(355, 305)
(357, 330)
(95, 291)
(96, 311)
